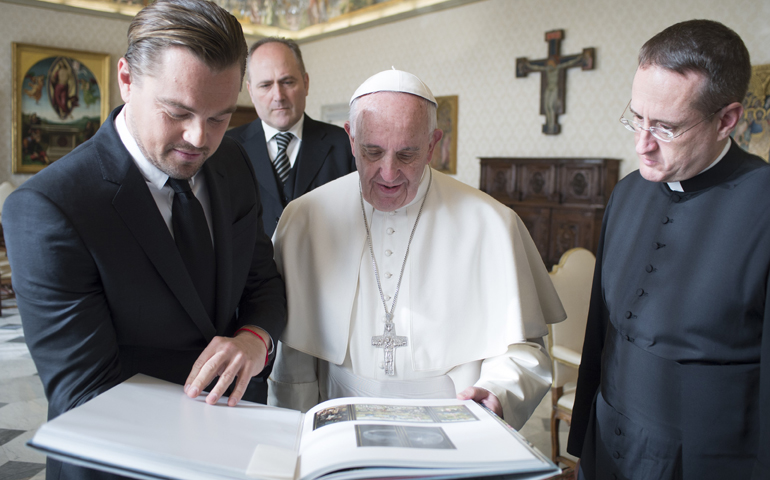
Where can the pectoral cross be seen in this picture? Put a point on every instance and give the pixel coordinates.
(389, 341)
(553, 77)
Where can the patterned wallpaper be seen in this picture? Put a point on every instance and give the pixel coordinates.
(468, 51)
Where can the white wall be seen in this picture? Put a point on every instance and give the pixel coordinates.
(468, 51)
(471, 51)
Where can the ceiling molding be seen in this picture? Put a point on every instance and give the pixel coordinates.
(371, 16)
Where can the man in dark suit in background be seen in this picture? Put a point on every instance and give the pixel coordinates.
(291, 153)
(143, 251)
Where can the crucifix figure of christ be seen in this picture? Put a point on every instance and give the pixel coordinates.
(553, 77)
(389, 341)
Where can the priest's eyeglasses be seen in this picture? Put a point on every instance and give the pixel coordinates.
(663, 134)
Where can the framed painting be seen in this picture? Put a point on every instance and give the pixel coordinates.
(753, 130)
(445, 154)
(60, 98)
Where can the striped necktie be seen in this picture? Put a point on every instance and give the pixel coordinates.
(281, 160)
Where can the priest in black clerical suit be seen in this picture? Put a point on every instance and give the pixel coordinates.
(674, 379)
(317, 152)
(97, 240)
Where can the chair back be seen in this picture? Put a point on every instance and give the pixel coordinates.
(572, 277)
(6, 188)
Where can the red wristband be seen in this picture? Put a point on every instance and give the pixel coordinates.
(267, 351)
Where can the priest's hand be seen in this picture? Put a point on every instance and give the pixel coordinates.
(242, 356)
(484, 397)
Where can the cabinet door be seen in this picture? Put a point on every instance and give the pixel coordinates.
(538, 182)
(570, 228)
(498, 179)
(538, 222)
(581, 183)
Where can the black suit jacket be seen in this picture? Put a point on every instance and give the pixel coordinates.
(324, 156)
(101, 287)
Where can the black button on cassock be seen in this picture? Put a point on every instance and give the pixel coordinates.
(666, 220)
(629, 314)
(616, 455)
(639, 292)
(617, 431)
(657, 245)
(676, 198)
(649, 268)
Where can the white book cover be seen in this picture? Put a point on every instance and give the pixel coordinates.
(149, 429)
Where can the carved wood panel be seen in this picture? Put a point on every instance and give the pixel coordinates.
(560, 200)
(570, 228)
(537, 182)
(501, 181)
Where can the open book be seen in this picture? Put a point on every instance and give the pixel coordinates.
(147, 428)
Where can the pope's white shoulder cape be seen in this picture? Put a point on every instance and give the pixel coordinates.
(477, 281)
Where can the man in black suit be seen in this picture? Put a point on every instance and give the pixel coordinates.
(99, 241)
(314, 154)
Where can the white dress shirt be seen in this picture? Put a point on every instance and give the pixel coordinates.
(156, 180)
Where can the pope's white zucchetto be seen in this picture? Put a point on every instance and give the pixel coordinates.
(394, 81)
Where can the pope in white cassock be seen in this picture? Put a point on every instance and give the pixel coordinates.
(405, 283)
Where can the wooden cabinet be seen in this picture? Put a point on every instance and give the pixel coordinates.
(560, 200)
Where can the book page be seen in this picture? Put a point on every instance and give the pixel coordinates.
(441, 434)
(148, 428)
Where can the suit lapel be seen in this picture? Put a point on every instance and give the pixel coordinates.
(253, 141)
(136, 206)
(221, 218)
(312, 155)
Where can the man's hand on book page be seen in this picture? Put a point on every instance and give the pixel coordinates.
(242, 356)
(484, 397)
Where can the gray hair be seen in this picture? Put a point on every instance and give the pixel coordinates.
(355, 110)
(707, 48)
(210, 33)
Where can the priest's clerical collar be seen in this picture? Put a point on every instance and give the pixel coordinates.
(695, 183)
(394, 81)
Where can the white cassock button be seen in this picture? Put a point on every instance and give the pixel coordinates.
(387, 298)
(388, 274)
(388, 253)
(390, 231)
(392, 213)
(382, 365)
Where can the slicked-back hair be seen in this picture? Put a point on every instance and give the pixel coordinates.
(290, 44)
(209, 32)
(707, 48)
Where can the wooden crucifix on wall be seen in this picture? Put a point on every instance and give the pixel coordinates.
(553, 77)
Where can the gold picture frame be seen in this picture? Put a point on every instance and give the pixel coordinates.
(60, 98)
(753, 130)
(444, 157)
